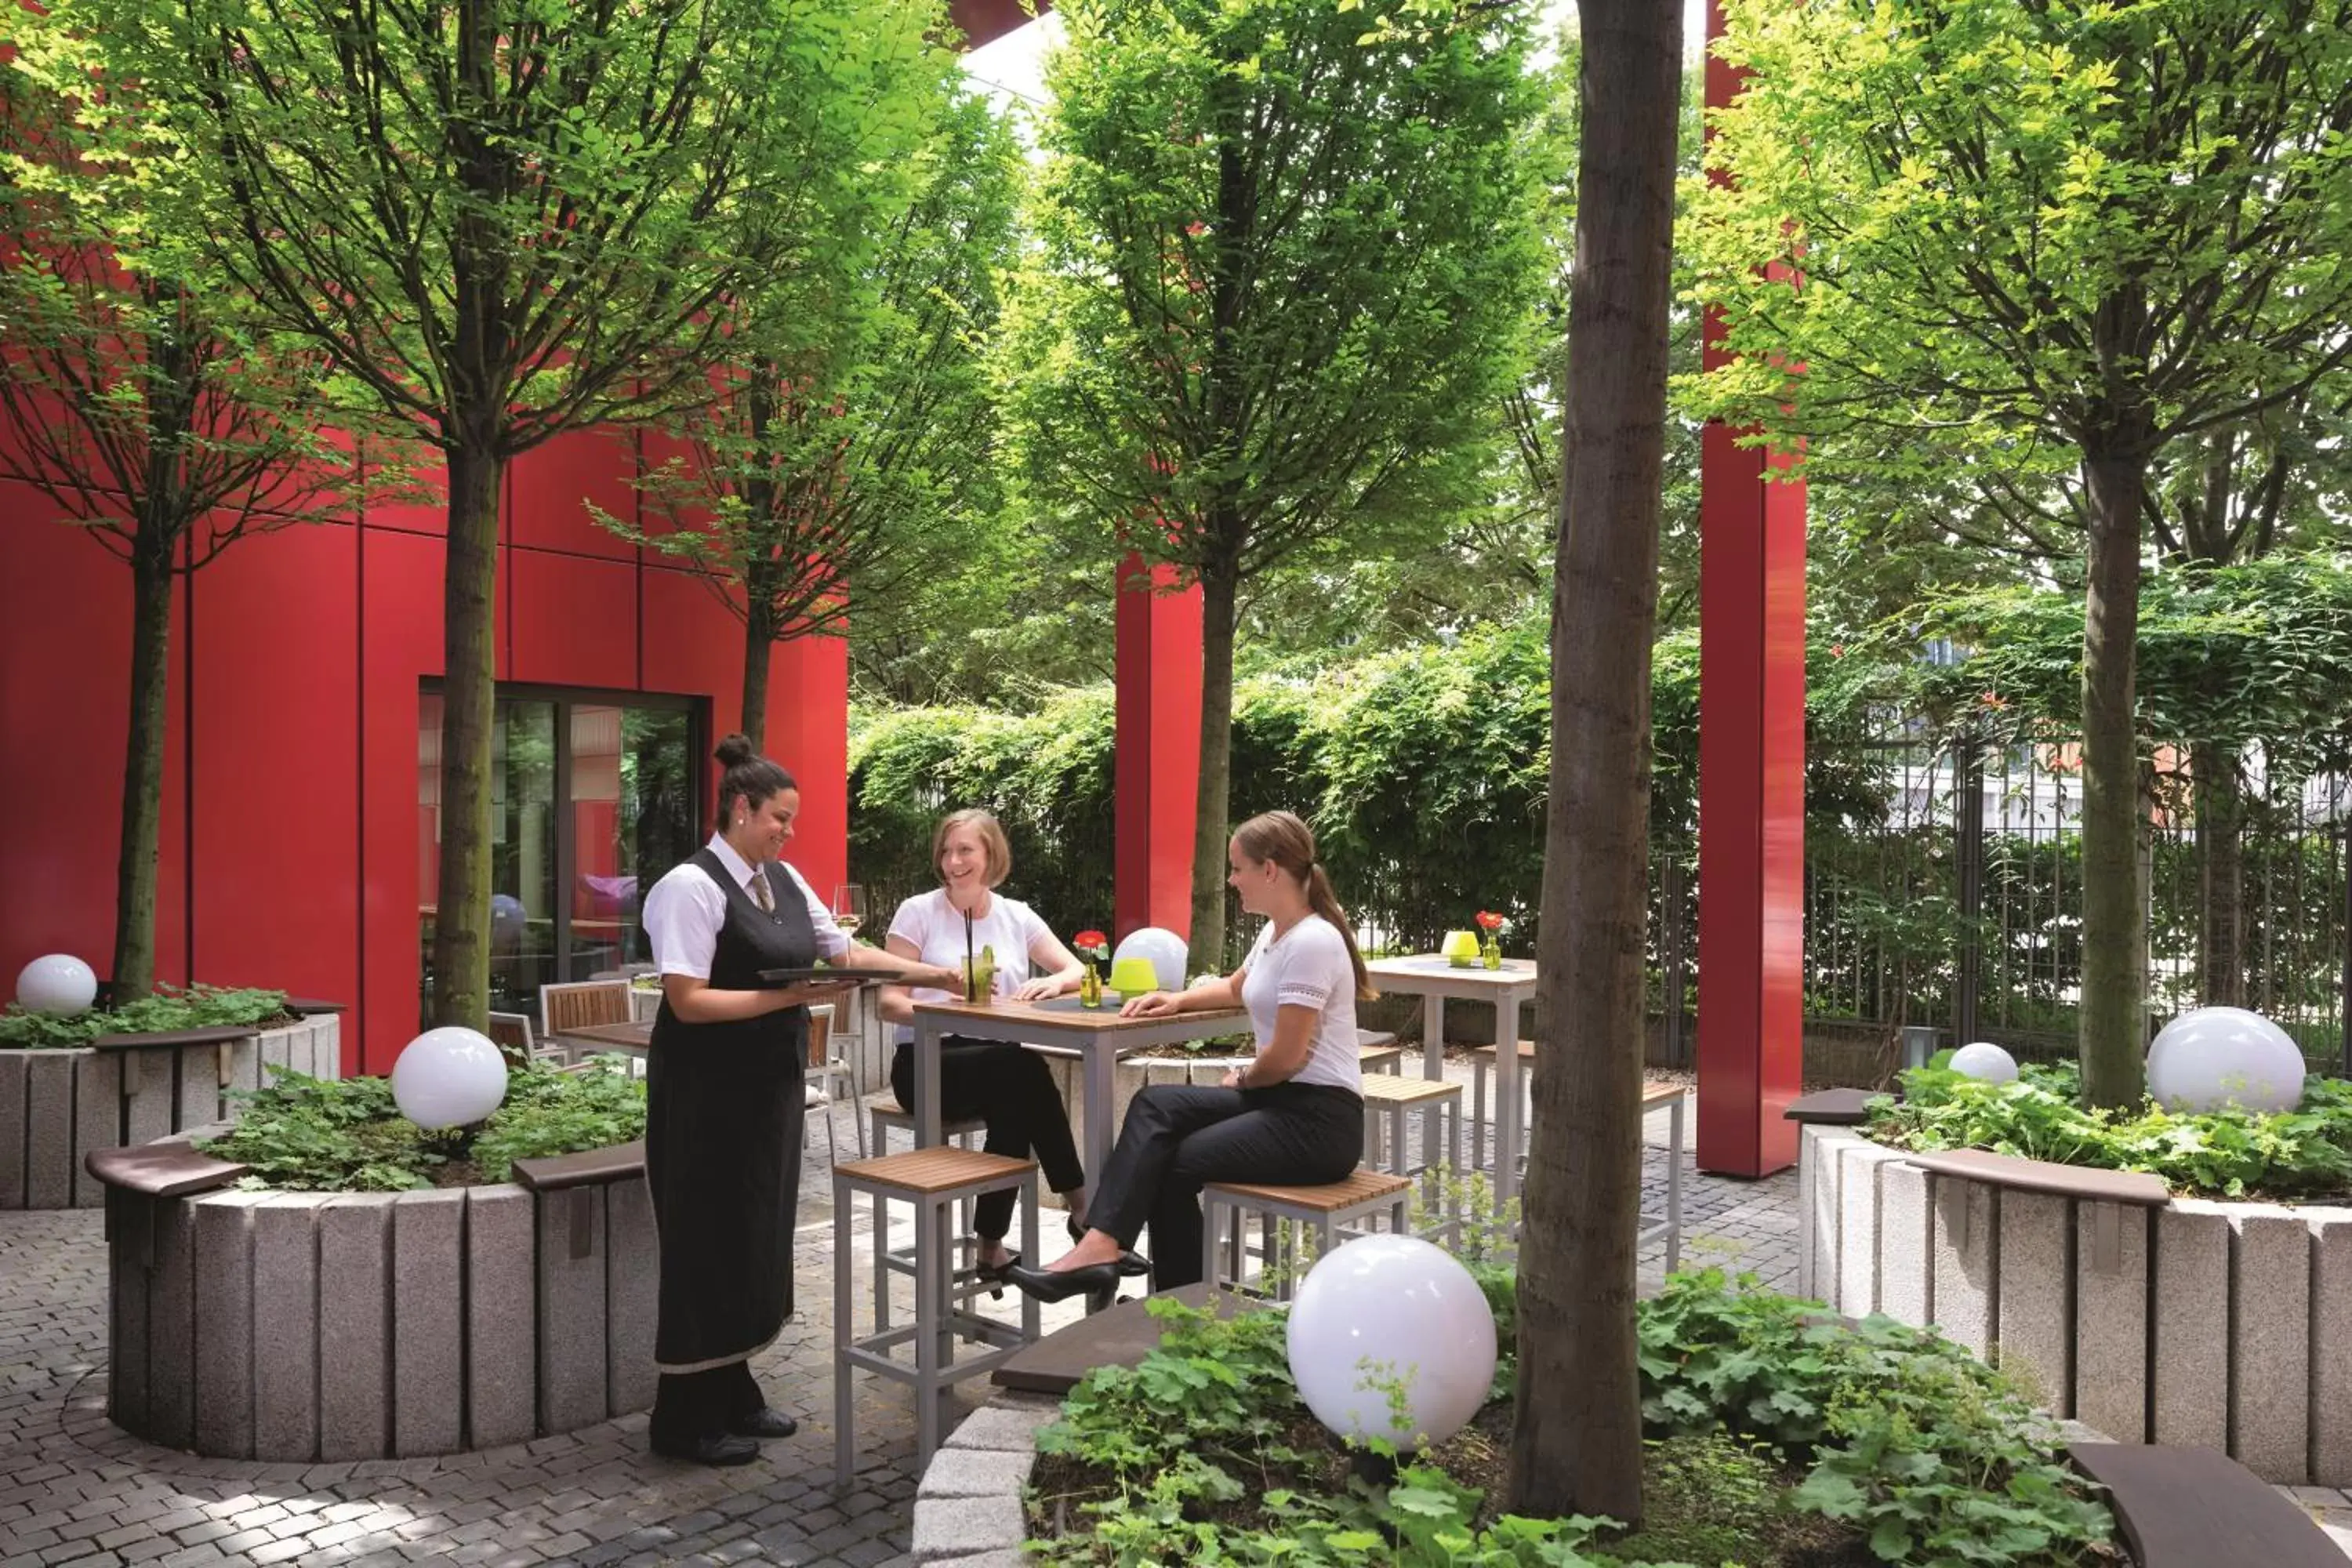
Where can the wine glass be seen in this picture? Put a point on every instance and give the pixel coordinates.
(849, 907)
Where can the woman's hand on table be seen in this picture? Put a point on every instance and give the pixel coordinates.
(1152, 1004)
(1044, 988)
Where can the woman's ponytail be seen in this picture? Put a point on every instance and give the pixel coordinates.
(1325, 903)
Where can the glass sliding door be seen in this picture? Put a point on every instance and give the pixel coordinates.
(594, 797)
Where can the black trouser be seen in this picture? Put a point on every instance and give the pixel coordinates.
(1014, 1092)
(688, 1406)
(1177, 1140)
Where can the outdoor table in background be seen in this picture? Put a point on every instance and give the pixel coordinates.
(629, 1038)
(1434, 978)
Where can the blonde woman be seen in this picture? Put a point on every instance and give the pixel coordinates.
(1000, 1083)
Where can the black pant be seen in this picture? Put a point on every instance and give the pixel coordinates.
(1176, 1140)
(689, 1406)
(1012, 1090)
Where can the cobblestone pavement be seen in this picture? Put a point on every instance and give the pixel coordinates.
(74, 1490)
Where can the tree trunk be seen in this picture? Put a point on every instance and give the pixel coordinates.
(2221, 874)
(1576, 1440)
(461, 925)
(143, 764)
(1219, 586)
(2114, 1019)
(758, 644)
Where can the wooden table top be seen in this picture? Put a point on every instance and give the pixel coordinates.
(1064, 1015)
(627, 1036)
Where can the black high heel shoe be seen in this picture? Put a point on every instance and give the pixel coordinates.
(1132, 1265)
(995, 1274)
(1050, 1286)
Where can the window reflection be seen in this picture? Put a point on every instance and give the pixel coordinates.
(590, 795)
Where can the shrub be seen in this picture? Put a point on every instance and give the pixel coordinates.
(169, 1008)
(2303, 1153)
(308, 1134)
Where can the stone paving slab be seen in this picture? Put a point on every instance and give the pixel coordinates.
(73, 1488)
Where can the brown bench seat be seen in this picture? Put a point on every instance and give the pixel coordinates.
(2185, 1506)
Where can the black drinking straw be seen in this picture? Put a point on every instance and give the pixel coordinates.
(968, 976)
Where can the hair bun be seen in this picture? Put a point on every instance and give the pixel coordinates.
(736, 750)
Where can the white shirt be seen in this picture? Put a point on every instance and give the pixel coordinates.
(687, 909)
(935, 927)
(1307, 967)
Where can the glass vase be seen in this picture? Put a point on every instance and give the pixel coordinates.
(1491, 955)
(1090, 988)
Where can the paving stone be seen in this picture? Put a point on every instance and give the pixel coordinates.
(2111, 1319)
(2192, 1369)
(2269, 1346)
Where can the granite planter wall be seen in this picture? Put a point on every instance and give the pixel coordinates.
(2180, 1321)
(302, 1327)
(56, 1107)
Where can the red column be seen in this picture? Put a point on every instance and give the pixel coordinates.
(1751, 786)
(1158, 748)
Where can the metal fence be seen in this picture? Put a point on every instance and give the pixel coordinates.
(1959, 906)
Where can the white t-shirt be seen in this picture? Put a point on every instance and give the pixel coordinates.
(686, 910)
(1308, 968)
(935, 926)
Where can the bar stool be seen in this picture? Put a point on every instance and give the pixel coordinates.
(1378, 1052)
(884, 1113)
(1387, 1102)
(1482, 1062)
(930, 1180)
(1327, 1212)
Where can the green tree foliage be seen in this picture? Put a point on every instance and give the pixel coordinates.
(2078, 230)
(143, 396)
(505, 219)
(1282, 281)
(852, 447)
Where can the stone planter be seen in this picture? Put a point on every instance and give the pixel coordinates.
(2179, 1322)
(302, 1327)
(56, 1107)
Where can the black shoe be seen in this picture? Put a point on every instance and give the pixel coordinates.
(1133, 1265)
(722, 1449)
(1048, 1284)
(764, 1422)
(994, 1274)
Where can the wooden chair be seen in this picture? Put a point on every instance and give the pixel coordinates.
(1325, 1212)
(582, 1004)
(510, 1032)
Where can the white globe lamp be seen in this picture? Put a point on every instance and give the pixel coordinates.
(58, 984)
(450, 1076)
(1164, 948)
(2217, 1057)
(1985, 1062)
(1391, 1338)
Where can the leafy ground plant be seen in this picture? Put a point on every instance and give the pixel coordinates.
(2303, 1154)
(308, 1134)
(1781, 1436)
(169, 1008)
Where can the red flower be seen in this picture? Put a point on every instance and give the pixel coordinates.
(1489, 921)
(1091, 943)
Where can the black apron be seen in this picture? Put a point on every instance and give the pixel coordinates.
(724, 1104)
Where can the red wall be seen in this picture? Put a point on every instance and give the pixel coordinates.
(291, 843)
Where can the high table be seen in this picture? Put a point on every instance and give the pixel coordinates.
(1097, 1036)
(1434, 978)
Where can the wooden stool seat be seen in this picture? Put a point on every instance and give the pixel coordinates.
(928, 1171)
(1362, 1187)
(1325, 1211)
(1527, 1052)
(887, 1113)
(1409, 1090)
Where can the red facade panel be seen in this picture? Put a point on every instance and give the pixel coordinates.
(277, 869)
(549, 486)
(400, 643)
(575, 619)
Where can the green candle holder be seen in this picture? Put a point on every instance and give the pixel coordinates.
(1460, 948)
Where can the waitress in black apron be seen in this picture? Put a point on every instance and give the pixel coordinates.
(724, 1106)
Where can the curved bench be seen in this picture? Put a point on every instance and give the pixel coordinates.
(304, 1327)
(2181, 1507)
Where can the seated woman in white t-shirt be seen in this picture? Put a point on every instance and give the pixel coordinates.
(1001, 1083)
(1293, 1115)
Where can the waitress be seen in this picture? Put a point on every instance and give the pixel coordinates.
(724, 1102)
